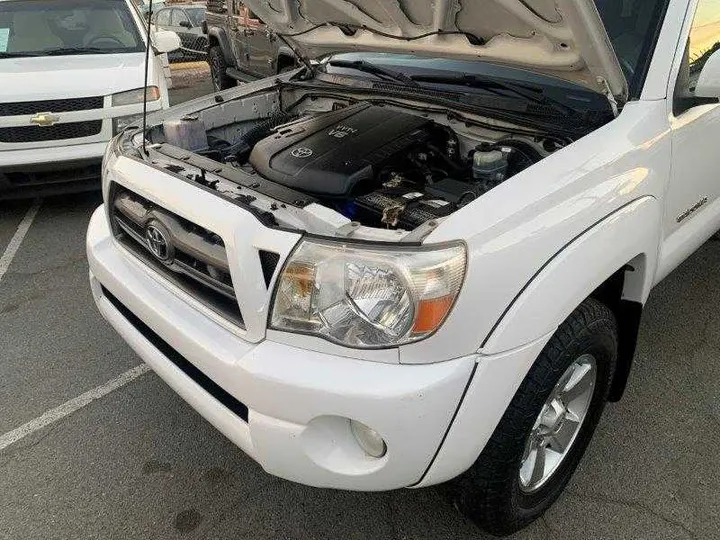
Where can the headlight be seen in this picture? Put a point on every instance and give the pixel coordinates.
(131, 97)
(367, 296)
(123, 122)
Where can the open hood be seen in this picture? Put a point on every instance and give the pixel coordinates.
(562, 38)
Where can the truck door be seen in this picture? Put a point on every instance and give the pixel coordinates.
(260, 48)
(695, 122)
(235, 25)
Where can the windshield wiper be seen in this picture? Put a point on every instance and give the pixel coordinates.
(367, 67)
(78, 50)
(474, 81)
(18, 54)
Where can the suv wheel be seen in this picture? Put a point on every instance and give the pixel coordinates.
(218, 68)
(541, 438)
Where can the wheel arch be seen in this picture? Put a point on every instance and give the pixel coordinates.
(614, 261)
(285, 58)
(627, 305)
(218, 37)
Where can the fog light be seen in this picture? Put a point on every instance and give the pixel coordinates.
(368, 439)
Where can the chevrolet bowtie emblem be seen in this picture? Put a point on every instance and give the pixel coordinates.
(45, 119)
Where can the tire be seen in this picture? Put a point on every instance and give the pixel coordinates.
(286, 64)
(218, 68)
(492, 492)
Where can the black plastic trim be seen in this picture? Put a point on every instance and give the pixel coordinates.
(182, 363)
(629, 319)
(255, 182)
(268, 261)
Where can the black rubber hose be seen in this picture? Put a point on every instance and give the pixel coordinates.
(457, 168)
(263, 129)
(259, 132)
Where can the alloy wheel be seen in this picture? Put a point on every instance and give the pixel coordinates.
(558, 424)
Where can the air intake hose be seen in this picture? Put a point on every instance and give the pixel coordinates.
(259, 132)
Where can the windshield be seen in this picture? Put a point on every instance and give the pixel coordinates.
(37, 27)
(196, 15)
(632, 26)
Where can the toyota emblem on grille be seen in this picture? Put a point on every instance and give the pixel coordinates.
(302, 152)
(158, 243)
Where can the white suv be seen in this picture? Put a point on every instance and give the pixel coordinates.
(424, 256)
(71, 77)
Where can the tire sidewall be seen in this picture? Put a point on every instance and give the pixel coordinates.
(489, 493)
(602, 348)
(217, 66)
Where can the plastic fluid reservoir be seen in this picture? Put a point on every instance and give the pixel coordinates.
(187, 133)
(490, 165)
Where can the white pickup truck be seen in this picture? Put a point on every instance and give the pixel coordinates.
(423, 257)
(71, 77)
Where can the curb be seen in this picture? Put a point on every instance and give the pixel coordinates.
(189, 73)
(188, 65)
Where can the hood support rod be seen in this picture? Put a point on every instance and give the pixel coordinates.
(147, 67)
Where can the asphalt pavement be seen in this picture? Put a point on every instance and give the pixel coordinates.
(139, 463)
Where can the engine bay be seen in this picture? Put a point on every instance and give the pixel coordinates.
(377, 166)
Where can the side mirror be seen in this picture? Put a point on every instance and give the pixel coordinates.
(185, 24)
(166, 41)
(204, 27)
(708, 83)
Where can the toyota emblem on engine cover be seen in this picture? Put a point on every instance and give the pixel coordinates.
(158, 243)
(302, 152)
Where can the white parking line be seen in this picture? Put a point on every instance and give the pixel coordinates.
(69, 407)
(18, 237)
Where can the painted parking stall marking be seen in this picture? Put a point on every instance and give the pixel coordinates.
(69, 407)
(18, 237)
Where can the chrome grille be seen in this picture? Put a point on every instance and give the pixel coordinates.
(189, 255)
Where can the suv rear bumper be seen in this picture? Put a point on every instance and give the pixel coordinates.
(286, 407)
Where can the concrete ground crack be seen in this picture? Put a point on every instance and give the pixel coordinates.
(636, 505)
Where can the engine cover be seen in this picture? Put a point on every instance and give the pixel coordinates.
(331, 153)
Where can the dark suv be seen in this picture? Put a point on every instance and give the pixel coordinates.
(240, 45)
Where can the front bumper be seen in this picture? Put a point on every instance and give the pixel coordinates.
(294, 404)
(50, 171)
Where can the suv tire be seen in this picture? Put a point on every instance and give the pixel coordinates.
(497, 492)
(218, 68)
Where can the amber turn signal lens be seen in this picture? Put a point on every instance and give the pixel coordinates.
(431, 313)
(302, 278)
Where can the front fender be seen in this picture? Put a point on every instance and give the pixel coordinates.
(631, 234)
(224, 41)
